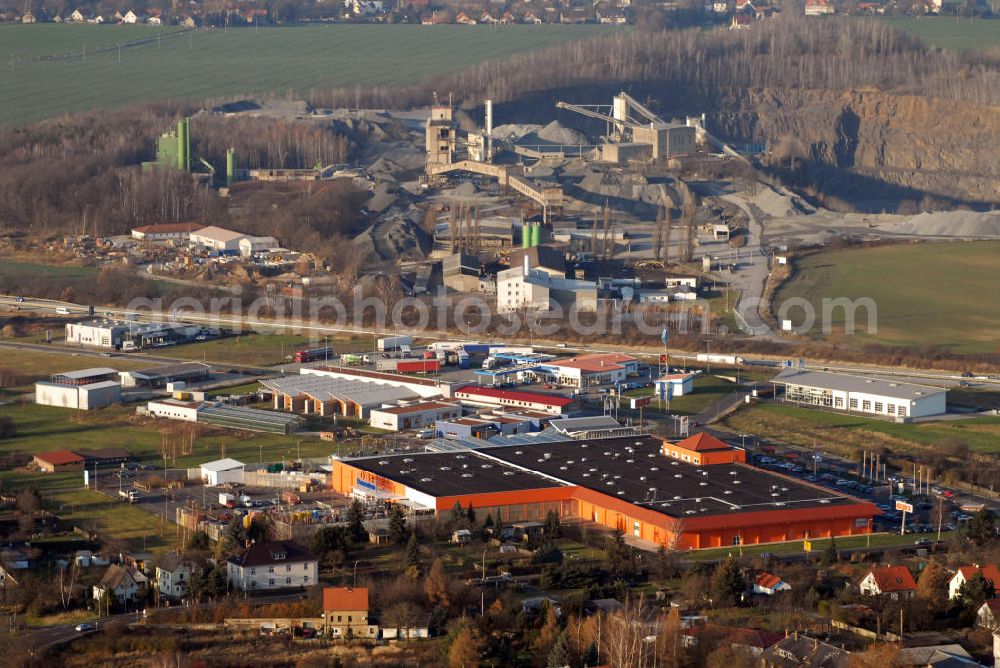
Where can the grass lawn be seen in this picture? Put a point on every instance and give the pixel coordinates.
(905, 282)
(805, 426)
(42, 428)
(258, 349)
(949, 32)
(707, 388)
(29, 366)
(241, 61)
(818, 545)
(139, 529)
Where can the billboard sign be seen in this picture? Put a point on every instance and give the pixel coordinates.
(904, 506)
(641, 402)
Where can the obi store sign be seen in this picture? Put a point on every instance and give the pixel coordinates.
(374, 482)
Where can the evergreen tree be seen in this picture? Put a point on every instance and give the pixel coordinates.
(560, 655)
(830, 554)
(489, 521)
(235, 533)
(553, 528)
(982, 528)
(727, 583)
(411, 560)
(356, 522)
(470, 515)
(199, 540)
(974, 591)
(457, 515)
(591, 656)
(619, 556)
(397, 526)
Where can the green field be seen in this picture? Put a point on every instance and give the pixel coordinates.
(260, 350)
(30, 365)
(818, 545)
(961, 34)
(243, 61)
(806, 427)
(925, 294)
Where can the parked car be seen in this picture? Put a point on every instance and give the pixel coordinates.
(86, 626)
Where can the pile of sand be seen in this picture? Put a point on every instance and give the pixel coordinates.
(948, 224)
(779, 203)
(557, 133)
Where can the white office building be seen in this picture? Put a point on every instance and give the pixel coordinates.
(861, 394)
(222, 471)
(273, 565)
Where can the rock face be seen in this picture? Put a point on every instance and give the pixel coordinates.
(934, 146)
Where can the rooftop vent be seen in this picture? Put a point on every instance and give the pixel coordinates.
(621, 492)
(383, 462)
(407, 460)
(508, 473)
(445, 468)
(466, 475)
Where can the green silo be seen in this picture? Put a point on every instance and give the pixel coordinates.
(536, 234)
(180, 144)
(525, 236)
(187, 144)
(230, 167)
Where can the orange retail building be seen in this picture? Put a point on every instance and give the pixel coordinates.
(636, 483)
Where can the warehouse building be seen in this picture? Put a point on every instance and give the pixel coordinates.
(413, 415)
(159, 377)
(326, 395)
(58, 461)
(217, 239)
(423, 387)
(86, 389)
(551, 404)
(222, 471)
(166, 232)
(625, 483)
(173, 409)
(119, 334)
(861, 394)
(521, 287)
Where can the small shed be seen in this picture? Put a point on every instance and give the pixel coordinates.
(222, 471)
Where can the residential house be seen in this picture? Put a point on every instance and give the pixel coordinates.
(935, 656)
(273, 565)
(818, 8)
(611, 17)
(988, 614)
(130, 17)
(798, 650)
(896, 582)
(463, 19)
(989, 571)
(188, 22)
(10, 561)
(744, 641)
(720, 7)
(740, 22)
(154, 21)
(173, 575)
(120, 584)
(486, 18)
(78, 17)
(29, 17)
(345, 613)
(769, 585)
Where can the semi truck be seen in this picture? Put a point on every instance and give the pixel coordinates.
(390, 343)
(227, 500)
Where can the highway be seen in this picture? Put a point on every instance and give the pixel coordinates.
(244, 323)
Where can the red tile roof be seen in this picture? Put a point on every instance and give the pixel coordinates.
(767, 581)
(703, 442)
(989, 571)
(515, 395)
(59, 457)
(345, 598)
(894, 578)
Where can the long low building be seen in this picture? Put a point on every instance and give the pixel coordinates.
(423, 387)
(413, 415)
(552, 404)
(187, 372)
(634, 484)
(861, 394)
(332, 395)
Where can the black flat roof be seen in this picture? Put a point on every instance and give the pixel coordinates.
(633, 469)
(452, 473)
(630, 468)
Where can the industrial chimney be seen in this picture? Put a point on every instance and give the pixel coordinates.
(489, 130)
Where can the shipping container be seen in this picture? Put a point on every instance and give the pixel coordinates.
(418, 366)
(394, 342)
